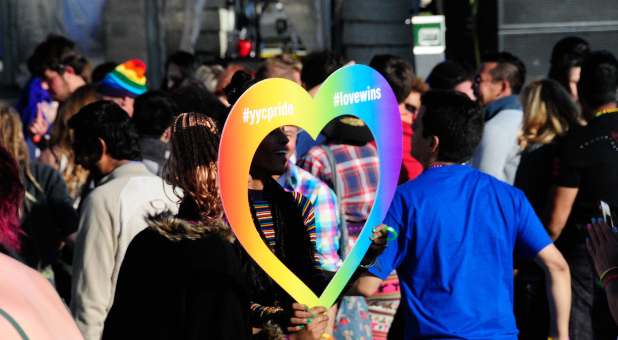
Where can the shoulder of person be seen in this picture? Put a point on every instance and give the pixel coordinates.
(175, 229)
(507, 118)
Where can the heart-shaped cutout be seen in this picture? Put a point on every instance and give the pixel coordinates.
(352, 90)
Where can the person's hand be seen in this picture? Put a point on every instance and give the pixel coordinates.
(308, 323)
(379, 238)
(39, 126)
(603, 246)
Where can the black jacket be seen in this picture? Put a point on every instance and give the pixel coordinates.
(180, 280)
(48, 216)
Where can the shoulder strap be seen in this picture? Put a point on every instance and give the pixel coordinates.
(14, 323)
(338, 187)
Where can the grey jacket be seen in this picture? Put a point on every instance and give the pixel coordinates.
(112, 214)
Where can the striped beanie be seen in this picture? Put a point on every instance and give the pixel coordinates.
(126, 80)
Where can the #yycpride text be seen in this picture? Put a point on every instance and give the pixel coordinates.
(255, 116)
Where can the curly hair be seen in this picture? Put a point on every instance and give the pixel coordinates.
(11, 198)
(192, 165)
(105, 120)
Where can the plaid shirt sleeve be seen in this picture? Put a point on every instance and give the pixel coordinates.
(316, 163)
(327, 227)
(326, 213)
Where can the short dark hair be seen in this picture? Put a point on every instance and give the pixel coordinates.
(317, 66)
(567, 53)
(102, 70)
(447, 74)
(187, 64)
(456, 120)
(509, 68)
(193, 96)
(598, 80)
(153, 113)
(108, 121)
(397, 72)
(55, 53)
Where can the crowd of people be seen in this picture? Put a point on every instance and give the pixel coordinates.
(112, 227)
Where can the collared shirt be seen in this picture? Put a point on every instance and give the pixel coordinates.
(358, 170)
(326, 211)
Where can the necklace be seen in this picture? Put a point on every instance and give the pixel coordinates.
(604, 112)
(439, 165)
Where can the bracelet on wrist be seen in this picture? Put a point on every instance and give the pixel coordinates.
(609, 279)
(606, 272)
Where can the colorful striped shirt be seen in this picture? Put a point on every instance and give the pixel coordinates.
(263, 211)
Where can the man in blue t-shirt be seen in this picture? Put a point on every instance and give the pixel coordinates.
(458, 229)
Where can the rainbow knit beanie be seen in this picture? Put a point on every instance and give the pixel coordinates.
(126, 80)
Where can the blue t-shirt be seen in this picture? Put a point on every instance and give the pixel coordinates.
(458, 229)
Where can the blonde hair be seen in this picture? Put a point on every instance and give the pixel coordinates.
(12, 139)
(61, 139)
(549, 112)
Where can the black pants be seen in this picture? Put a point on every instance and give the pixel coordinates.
(590, 316)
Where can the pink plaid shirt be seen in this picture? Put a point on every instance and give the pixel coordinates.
(358, 170)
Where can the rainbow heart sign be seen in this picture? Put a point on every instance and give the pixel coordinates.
(356, 90)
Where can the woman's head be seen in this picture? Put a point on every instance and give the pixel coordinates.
(60, 133)
(11, 197)
(566, 59)
(192, 165)
(549, 111)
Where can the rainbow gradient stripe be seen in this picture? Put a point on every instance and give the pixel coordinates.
(240, 139)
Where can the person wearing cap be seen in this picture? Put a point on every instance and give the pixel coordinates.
(124, 83)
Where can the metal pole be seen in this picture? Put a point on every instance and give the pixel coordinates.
(9, 43)
(155, 45)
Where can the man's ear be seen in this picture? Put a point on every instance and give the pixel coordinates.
(435, 143)
(505, 88)
(101, 148)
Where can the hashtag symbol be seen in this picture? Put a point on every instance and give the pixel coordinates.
(337, 98)
(245, 116)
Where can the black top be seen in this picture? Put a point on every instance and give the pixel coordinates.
(535, 174)
(176, 287)
(588, 160)
(48, 216)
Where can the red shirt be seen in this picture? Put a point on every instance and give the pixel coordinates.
(410, 167)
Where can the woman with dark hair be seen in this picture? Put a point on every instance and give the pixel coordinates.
(182, 277)
(26, 296)
(566, 58)
(549, 113)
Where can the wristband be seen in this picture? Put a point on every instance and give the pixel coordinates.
(392, 233)
(609, 279)
(607, 271)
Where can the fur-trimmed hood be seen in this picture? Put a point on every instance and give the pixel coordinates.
(177, 229)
